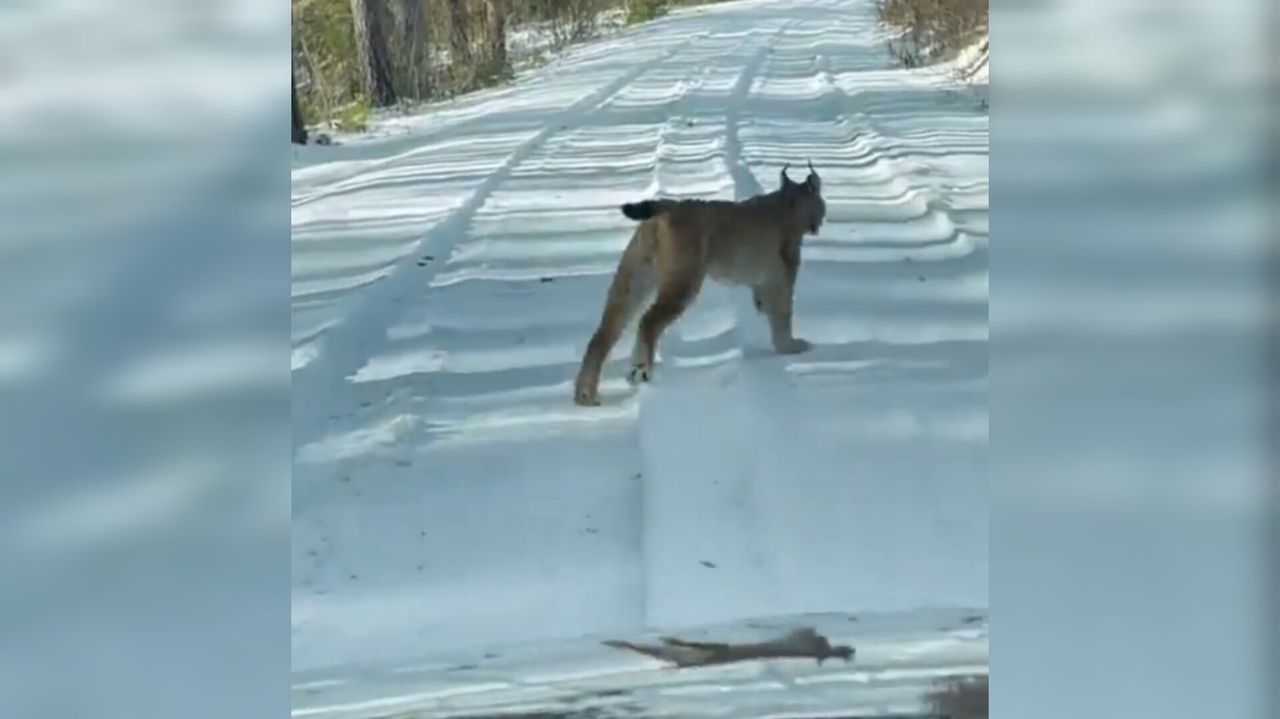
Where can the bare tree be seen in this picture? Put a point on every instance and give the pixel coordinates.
(372, 53)
(496, 37)
(459, 43)
(299, 124)
(574, 20)
(414, 60)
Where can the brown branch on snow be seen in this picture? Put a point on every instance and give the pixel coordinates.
(801, 643)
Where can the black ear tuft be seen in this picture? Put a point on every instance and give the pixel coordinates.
(813, 181)
(638, 210)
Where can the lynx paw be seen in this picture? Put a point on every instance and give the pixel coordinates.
(586, 398)
(639, 373)
(794, 346)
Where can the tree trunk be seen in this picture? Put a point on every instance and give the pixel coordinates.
(496, 37)
(460, 44)
(413, 41)
(372, 53)
(299, 124)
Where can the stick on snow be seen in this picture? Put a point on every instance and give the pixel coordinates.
(801, 643)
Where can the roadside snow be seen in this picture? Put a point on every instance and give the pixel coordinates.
(974, 62)
(534, 39)
(447, 494)
(899, 658)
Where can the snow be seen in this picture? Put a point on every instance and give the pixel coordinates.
(974, 62)
(447, 494)
(532, 40)
(899, 658)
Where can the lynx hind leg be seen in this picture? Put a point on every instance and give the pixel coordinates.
(675, 294)
(644, 293)
(632, 288)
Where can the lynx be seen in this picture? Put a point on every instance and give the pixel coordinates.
(755, 242)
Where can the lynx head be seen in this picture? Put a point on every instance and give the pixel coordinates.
(804, 199)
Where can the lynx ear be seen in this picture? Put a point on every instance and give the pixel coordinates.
(813, 181)
(783, 180)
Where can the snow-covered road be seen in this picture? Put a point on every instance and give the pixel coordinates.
(448, 271)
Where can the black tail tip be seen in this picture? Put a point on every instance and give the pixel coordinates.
(638, 210)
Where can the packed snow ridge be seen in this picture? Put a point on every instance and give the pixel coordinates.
(449, 268)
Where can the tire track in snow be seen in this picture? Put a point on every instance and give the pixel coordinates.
(722, 446)
(745, 183)
(320, 387)
(717, 443)
(473, 293)
(703, 546)
(899, 440)
(534, 471)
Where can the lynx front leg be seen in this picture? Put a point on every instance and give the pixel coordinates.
(777, 307)
(776, 300)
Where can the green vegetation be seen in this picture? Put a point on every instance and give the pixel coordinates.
(639, 11)
(354, 116)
